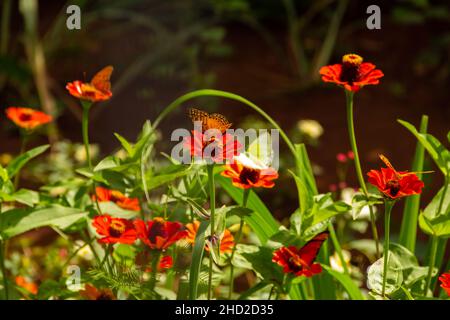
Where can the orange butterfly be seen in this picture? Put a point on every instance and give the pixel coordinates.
(398, 174)
(209, 121)
(98, 89)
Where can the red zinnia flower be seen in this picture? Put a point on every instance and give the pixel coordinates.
(226, 241)
(27, 118)
(246, 173)
(300, 262)
(159, 234)
(114, 230)
(208, 147)
(106, 195)
(395, 184)
(29, 286)
(98, 89)
(445, 282)
(352, 73)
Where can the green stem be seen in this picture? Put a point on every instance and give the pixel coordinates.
(433, 250)
(337, 247)
(388, 205)
(155, 262)
(23, 148)
(212, 205)
(85, 132)
(238, 238)
(2, 265)
(362, 183)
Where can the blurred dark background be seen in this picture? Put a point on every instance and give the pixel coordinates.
(267, 51)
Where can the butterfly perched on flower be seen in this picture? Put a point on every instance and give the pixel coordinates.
(98, 89)
(209, 121)
(300, 261)
(395, 184)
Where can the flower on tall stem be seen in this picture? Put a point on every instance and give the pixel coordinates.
(107, 195)
(99, 89)
(159, 234)
(393, 185)
(445, 282)
(226, 240)
(352, 73)
(27, 118)
(247, 173)
(114, 230)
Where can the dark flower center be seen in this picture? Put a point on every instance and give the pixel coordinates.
(25, 117)
(103, 295)
(156, 230)
(116, 228)
(248, 175)
(394, 187)
(350, 68)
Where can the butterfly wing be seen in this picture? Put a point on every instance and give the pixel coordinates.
(309, 251)
(218, 121)
(387, 162)
(101, 80)
(198, 115)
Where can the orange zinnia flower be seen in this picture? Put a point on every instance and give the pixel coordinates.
(106, 195)
(159, 234)
(222, 149)
(246, 173)
(27, 118)
(98, 89)
(445, 282)
(114, 230)
(395, 184)
(300, 262)
(226, 241)
(352, 73)
(92, 293)
(30, 286)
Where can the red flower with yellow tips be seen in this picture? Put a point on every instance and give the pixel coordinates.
(99, 89)
(107, 195)
(158, 233)
(114, 230)
(395, 184)
(27, 118)
(352, 73)
(226, 241)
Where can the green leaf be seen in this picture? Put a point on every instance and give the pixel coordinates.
(15, 165)
(125, 254)
(114, 210)
(352, 289)
(436, 150)
(394, 278)
(435, 219)
(261, 262)
(197, 256)
(169, 174)
(17, 221)
(260, 220)
(408, 229)
(125, 144)
(26, 197)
